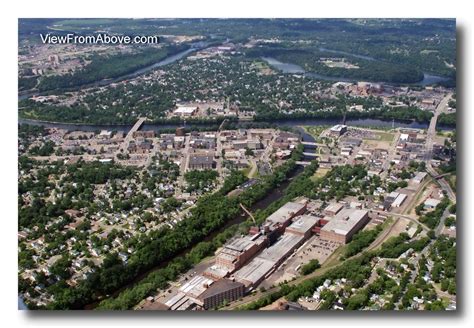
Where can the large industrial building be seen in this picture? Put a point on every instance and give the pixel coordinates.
(221, 291)
(234, 254)
(247, 260)
(276, 223)
(344, 225)
(198, 161)
(270, 258)
(185, 110)
(254, 272)
(333, 208)
(205, 293)
(338, 130)
(303, 225)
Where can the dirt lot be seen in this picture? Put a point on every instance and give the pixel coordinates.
(398, 228)
(449, 231)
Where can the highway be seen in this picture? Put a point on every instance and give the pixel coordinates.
(442, 106)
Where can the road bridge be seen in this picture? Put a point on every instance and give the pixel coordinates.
(304, 163)
(308, 143)
(130, 133)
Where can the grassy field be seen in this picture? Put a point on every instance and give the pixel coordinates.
(261, 66)
(385, 136)
(382, 136)
(319, 173)
(315, 131)
(452, 181)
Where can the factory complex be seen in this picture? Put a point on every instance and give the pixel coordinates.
(244, 262)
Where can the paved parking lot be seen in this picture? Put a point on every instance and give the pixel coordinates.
(314, 248)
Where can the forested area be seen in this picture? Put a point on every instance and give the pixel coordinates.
(443, 254)
(408, 113)
(361, 240)
(447, 119)
(310, 267)
(396, 246)
(368, 69)
(432, 218)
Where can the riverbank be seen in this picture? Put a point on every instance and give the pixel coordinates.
(171, 58)
(291, 68)
(288, 122)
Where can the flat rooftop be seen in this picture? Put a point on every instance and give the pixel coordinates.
(254, 271)
(303, 223)
(225, 255)
(196, 286)
(240, 244)
(419, 176)
(344, 221)
(338, 127)
(281, 248)
(285, 212)
(201, 159)
(185, 109)
(176, 300)
(217, 271)
(334, 207)
(219, 287)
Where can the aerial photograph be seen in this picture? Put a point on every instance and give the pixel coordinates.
(237, 164)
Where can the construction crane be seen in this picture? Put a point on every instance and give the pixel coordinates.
(248, 212)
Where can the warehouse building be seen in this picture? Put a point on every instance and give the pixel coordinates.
(431, 203)
(333, 209)
(399, 200)
(282, 248)
(281, 218)
(216, 272)
(185, 111)
(302, 225)
(196, 286)
(254, 272)
(344, 225)
(180, 302)
(338, 130)
(266, 262)
(201, 162)
(234, 254)
(419, 177)
(220, 292)
(270, 258)
(202, 292)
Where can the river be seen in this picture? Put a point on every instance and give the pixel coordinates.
(168, 60)
(21, 304)
(158, 127)
(290, 68)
